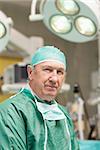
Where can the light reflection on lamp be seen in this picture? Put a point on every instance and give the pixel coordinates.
(2, 30)
(85, 26)
(60, 24)
(68, 7)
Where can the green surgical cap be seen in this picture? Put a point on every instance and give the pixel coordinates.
(48, 53)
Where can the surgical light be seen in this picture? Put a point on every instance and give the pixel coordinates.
(72, 20)
(69, 7)
(5, 24)
(85, 26)
(60, 24)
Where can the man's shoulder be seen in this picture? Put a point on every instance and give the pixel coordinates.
(18, 100)
(15, 97)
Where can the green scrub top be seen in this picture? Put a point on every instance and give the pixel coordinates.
(22, 126)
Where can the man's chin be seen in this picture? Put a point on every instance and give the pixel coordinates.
(50, 97)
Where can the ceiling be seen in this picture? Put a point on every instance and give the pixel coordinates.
(19, 11)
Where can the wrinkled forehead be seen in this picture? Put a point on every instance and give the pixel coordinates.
(51, 64)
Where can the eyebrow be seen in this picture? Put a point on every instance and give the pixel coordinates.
(59, 68)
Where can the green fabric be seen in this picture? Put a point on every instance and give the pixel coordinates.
(48, 53)
(22, 126)
(89, 144)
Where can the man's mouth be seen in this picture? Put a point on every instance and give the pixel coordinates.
(51, 87)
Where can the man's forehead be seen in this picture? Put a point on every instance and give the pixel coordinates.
(51, 64)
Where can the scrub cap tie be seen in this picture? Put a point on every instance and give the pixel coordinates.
(48, 53)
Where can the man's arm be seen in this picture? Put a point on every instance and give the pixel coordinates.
(4, 140)
(12, 129)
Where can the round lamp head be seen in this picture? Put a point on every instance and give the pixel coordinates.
(71, 20)
(4, 31)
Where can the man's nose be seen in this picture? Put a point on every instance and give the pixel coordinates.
(54, 76)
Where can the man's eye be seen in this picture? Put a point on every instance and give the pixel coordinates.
(60, 72)
(47, 69)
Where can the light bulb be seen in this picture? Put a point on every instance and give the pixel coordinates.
(69, 7)
(85, 26)
(60, 24)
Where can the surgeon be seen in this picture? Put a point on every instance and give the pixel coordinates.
(32, 119)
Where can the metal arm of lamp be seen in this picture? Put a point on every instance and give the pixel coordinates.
(34, 16)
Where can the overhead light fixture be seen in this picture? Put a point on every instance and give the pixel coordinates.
(5, 24)
(72, 20)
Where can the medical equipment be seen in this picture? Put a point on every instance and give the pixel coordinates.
(15, 77)
(15, 74)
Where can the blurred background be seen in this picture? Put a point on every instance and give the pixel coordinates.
(27, 32)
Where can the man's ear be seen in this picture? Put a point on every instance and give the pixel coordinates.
(30, 72)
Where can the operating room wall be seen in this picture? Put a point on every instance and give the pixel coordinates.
(82, 57)
(82, 63)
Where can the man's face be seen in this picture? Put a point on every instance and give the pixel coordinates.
(46, 79)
